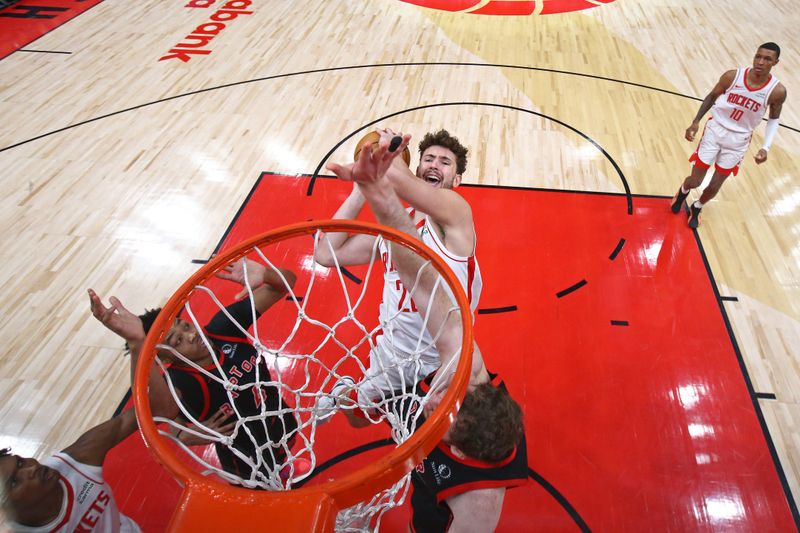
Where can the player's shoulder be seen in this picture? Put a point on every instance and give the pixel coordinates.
(779, 93)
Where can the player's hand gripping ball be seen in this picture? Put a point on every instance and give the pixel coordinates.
(372, 138)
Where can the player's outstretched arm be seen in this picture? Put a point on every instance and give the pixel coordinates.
(349, 249)
(722, 85)
(128, 326)
(91, 447)
(267, 284)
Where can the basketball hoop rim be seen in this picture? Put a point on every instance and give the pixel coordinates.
(355, 486)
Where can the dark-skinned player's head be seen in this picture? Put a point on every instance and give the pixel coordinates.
(181, 336)
(30, 493)
(772, 46)
(766, 57)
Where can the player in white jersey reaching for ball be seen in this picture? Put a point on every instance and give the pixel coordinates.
(738, 102)
(443, 219)
(67, 492)
(460, 486)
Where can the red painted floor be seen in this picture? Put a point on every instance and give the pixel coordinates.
(638, 416)
(27, 20)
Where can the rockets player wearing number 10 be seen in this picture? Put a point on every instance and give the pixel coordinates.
(738, 102)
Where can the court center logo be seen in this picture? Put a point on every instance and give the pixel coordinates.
(509, 8)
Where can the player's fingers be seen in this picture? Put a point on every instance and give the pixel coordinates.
(341, 172)
(380, 151)
(241, 294)
(118, 305)
(404, 140)
(94, 303)
(106, 315)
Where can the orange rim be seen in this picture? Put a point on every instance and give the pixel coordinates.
(364, 482)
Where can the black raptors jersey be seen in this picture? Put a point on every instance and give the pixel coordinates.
(442, 475)
(202, 396)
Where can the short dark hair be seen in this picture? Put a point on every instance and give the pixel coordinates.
(444, 139)
(774, 47)
(488, 425)
(148, 317)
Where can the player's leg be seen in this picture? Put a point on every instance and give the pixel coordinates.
(692, 181)
(733, 146)
(702, 159)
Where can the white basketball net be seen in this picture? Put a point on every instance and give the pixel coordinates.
(319, 371)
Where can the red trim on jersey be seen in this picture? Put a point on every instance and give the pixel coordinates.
(420, 224)
(746, 71)
(727, 171)
(694, 158)
(228, 339)
(425, 386)
(75, 468)
(203, 389)
(470, 277)
(180, 365)
(478, 485)
(70, 501)
(475, 463)
(206, 396)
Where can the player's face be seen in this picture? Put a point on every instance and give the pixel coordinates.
(764, 61)
(32, 490)
(185, 338)
(437, 166)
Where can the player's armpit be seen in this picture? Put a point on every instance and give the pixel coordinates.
(476, 511)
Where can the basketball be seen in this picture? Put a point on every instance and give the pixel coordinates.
(372, 138)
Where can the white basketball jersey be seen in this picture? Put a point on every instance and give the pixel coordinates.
(400, 311)
(741, 107)
(88, 502)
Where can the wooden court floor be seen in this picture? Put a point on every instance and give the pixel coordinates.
(119, 169)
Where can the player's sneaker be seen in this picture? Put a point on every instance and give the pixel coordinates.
(678, 199)
(694, 216)
(326, 405)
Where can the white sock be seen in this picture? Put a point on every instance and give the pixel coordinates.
(698, 204)
(684, 191)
